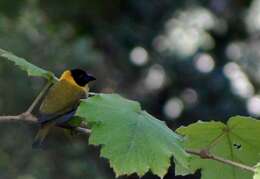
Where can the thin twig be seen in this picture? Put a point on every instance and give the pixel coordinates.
(27, 117)
(9, 118)
(93, 93)
(83, 130)
(205, 155)
(39, 97)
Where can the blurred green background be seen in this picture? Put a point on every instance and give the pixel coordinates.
(183, 60)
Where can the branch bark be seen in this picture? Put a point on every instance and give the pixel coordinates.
(28, 117)
(9, 118)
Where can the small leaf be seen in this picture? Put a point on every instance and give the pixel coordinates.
(31, 69)
(257, 172)
(238, 140)
(132, 140)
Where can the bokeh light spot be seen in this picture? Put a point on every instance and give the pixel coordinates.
(253, 105)
(173, 108)
(204, 63)
(240, 84)
(253, 17)
(186, 32)
(234, 51)
(139, 56)
(189, 96)
(155, 77)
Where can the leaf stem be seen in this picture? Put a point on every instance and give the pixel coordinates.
(204, 154)
(215, 140)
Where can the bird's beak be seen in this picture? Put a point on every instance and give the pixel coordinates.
(90, 78)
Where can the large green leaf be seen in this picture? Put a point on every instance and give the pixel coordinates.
(31, 69)
(238, 140)
(132, 140)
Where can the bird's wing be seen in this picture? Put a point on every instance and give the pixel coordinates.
(60, 102)
(58, 118)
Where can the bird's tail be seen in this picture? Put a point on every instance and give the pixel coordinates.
(42, 133)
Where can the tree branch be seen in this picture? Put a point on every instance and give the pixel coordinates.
(28, 117)
(204, 154)
(9, 118)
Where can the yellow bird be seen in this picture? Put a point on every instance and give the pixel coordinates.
(61, 101)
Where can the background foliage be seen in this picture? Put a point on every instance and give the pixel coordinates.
(183, 60)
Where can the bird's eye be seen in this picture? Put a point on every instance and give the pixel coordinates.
(81, 76)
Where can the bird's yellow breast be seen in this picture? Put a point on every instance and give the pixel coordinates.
(62, 97)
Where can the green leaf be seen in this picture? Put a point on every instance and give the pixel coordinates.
(238, 140)
(181, 170)
(31, 69)
(75, 121)
(257, 172)
(132, 140)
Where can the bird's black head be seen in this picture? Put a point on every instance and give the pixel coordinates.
(81, 77)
